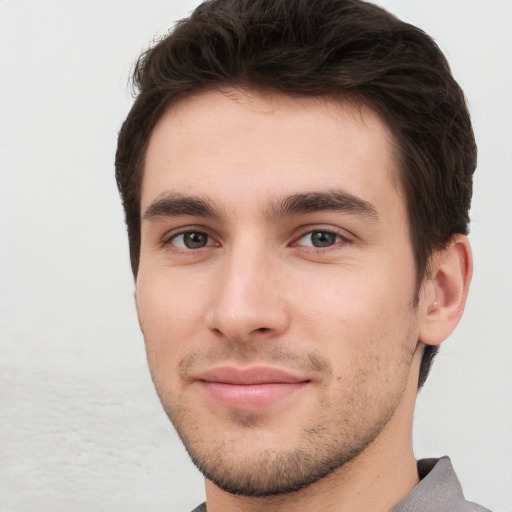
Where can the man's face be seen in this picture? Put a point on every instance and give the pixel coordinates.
(276, 285)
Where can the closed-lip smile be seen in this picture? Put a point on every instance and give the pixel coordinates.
(250, 388)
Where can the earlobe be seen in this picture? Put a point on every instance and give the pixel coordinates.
(448, 287)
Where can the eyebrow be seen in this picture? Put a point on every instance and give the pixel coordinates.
(176, 205)
(331, 200)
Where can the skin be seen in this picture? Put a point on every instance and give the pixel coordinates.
(274, 235)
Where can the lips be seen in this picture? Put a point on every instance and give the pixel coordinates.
(249, 389)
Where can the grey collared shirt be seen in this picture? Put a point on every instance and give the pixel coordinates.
(438, 491)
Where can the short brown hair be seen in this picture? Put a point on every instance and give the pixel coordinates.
(331, 48)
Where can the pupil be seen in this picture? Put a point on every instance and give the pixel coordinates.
(194, 240)
(323, 239)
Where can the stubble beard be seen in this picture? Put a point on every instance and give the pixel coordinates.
(343, 429)
(273, 472)
(327, 444)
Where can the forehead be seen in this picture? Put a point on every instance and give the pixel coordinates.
(236, 143)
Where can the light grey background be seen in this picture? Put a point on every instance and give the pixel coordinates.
(80, 425)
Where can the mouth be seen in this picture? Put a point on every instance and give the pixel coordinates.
(249, 389)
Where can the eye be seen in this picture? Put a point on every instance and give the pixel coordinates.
(191, 240)
(320, 239)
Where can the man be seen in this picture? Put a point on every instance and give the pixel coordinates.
(296, 177)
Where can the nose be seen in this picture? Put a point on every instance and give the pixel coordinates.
(248, 300)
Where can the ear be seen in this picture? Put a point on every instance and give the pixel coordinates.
(445, 291)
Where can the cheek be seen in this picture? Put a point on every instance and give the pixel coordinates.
(361, 321)
(356, 300)
(168, 315)
(371, 350)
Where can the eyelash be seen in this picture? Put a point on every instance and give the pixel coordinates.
(168, 241)
(339, 239)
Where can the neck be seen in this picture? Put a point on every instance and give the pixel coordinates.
(376, 480)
